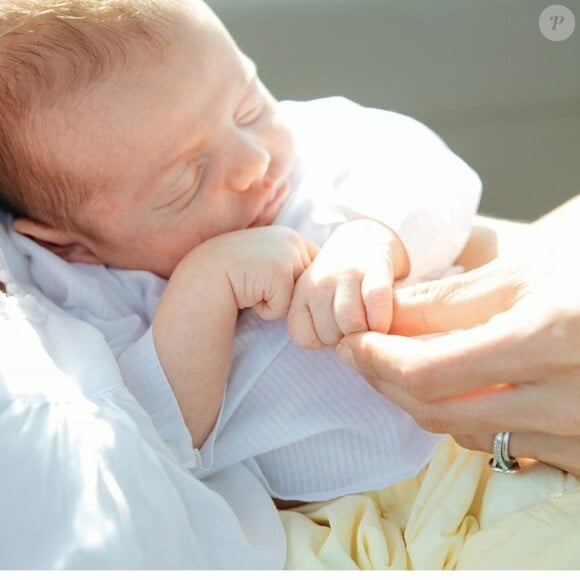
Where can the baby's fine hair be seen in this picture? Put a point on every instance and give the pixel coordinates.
(48, 50)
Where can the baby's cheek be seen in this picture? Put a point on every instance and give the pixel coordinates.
(281, 140)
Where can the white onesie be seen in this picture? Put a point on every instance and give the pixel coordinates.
(306, 425)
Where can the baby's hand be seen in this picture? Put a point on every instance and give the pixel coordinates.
(262, 265)
(349, 286)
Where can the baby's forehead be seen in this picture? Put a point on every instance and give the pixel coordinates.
(144, 58)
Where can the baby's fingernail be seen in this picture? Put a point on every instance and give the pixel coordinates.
(345, 354)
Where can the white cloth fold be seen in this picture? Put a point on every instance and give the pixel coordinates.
(87, 483)
(305, 425)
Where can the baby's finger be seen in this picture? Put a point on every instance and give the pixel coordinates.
(377, 294)
(349, 309)
(316, 293)
(321, 306)
(312, 249)
(307, 252)
(301, 327)
(275, 305)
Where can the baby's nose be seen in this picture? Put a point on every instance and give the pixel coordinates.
(250, 162)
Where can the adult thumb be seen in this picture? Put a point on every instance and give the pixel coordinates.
(459, 301)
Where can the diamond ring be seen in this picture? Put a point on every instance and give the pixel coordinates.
(502, 460)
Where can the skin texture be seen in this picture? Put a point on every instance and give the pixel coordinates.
(189, 162)
(499, 346)
(172, 165)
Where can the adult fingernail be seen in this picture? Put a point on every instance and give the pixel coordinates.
(345, 354)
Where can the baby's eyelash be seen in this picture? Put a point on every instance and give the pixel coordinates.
(187, 194)
(193, 189)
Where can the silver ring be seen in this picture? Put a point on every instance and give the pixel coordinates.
(502, 460)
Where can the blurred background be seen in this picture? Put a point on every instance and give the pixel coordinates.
(479, 72)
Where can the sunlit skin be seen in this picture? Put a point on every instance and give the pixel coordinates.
(508, 356)
(172, 165)
(188, 159)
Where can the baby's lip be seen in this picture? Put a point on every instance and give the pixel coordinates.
(272, 205)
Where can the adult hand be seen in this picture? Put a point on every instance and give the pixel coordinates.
(509, 358)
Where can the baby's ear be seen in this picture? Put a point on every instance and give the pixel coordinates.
(65, 244)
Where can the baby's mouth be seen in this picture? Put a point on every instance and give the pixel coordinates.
(272, 206)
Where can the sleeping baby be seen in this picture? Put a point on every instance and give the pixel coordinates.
(221, 241)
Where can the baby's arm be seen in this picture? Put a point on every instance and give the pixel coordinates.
(194, 324)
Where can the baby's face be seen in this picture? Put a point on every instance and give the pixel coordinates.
(179, 150)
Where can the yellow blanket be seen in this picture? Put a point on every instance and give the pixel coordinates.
(456, 514)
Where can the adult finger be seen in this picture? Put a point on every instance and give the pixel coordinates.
(455, 302)
(558, 451)
(541, 407)
(449, 364)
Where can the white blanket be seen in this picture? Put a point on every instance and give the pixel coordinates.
(86, 480)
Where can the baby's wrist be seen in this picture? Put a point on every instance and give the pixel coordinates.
(366, 230)
(202, 276)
